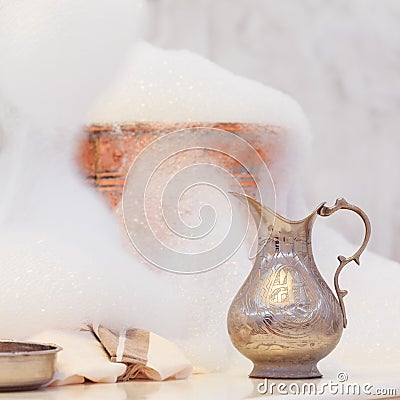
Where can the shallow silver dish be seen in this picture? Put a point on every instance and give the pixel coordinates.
(26, 365)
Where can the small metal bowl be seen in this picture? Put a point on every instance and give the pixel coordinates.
(26, 365)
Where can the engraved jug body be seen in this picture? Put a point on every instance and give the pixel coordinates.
(285, 318)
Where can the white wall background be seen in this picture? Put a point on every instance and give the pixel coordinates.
(340, 59)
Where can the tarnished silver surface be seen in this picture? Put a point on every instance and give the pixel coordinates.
(285, 318)
(26, 365)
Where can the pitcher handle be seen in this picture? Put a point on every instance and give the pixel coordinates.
(325, 211)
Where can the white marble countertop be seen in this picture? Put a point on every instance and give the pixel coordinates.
(227, 386)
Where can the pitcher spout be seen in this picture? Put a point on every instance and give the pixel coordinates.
(270, 223)
(263, 216)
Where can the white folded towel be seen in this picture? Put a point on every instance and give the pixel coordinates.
(85, 356)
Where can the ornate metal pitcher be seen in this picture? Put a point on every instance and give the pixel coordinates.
(285, 318)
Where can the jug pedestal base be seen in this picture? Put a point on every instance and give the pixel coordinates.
(294, 371)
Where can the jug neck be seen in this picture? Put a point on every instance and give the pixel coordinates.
(286, 236)
(286, 244)
(276, 233)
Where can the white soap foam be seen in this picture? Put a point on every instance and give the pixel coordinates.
(61, 255)
(61, 251)
(181, 86)
(58, 56)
